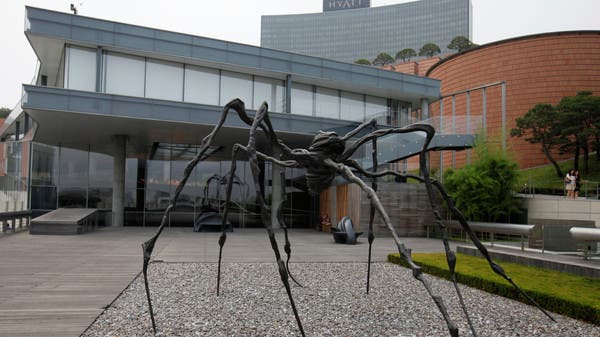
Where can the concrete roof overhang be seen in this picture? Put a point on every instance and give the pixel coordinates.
(83, 120)
(49, 31)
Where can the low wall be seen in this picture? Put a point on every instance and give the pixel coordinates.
(407, 206)
(553, 217)
(559, 208)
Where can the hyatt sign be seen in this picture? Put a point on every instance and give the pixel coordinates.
(334, 5)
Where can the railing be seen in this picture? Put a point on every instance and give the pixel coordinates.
(588, 190)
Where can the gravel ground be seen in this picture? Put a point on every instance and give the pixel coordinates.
(332, 302)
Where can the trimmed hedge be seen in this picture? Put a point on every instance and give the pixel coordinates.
(570, 295)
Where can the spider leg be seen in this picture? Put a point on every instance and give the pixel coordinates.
(223, 236)
(371, 236)
(266, 126)
(148, 246)
(450, 255)
(495, 267)
(253, 158)
(368, 124)
(287, 247)
(402, 249)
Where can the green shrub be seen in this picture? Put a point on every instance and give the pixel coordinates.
(566, 294)
(483, 190)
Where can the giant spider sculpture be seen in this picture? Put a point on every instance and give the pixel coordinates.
(328, 156)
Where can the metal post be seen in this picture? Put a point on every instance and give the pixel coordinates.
(288, 94)
(118, 195)
(99, 69)
(504, 115)
(454, 128)
(484, 122)
(441, 175)
(468, 123)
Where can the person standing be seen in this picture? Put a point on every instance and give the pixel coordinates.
(570, 184)
(577, 185)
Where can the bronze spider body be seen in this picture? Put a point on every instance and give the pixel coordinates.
(327, 157)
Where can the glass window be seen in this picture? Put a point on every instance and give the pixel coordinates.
(124, 75)
(376, 107)
(164, 80)
(158, 189)
(302, 99)
(271, 91)
(327, 103)
(235, 85)
(44, 170)
(353, 106)
(100, 181)
(132, 192)
(201, 85)
(81, 69)
(73, 178)
(43, 197)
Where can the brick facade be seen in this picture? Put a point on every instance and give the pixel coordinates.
(536, 69)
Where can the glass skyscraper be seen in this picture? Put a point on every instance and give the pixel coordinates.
(351, 34)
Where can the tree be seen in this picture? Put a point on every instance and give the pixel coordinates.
(461, 43)
(579, 118)
(429, 49)
(363, 62)
(383, 59)
(4, 112)
(483, 190)
(406, 54)
(540, 125)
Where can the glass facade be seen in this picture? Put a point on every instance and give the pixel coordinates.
(66, 177)
(81, 73)
(348, 35)
(145, 77)
(14, 175)
(201, 85)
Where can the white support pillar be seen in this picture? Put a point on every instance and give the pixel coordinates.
(277, 189)
(118, 194)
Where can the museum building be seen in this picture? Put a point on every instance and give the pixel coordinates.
(501, 81)
(116, 111)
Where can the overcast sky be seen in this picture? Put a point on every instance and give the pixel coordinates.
(239, 21)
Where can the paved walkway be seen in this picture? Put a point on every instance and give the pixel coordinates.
(58, 285)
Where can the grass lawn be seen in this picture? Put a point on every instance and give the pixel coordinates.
(545, 177)
(567, 294)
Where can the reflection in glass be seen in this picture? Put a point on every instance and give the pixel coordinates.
(44, 170)
(158, 189)
(73, 178)
(43, 197)
(100, 181)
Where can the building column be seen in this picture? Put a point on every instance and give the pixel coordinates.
(424, 108)
(118, 194)
(277, 188)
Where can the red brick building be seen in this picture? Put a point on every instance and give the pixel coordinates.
(532, 69)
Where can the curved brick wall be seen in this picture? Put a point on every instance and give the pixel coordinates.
(537, 69)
